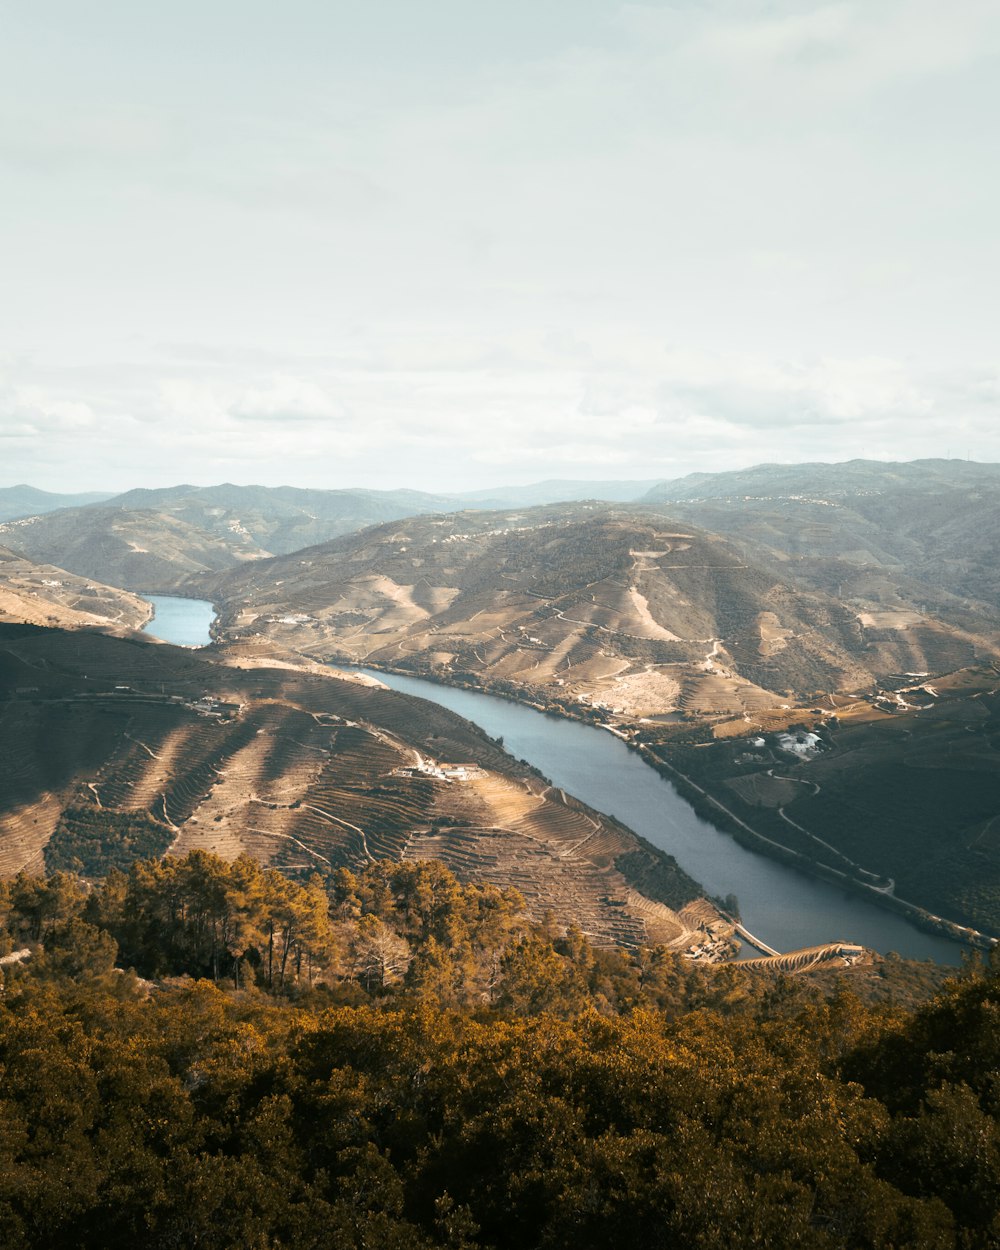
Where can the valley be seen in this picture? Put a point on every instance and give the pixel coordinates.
(692, 645)
(499, 664)
(825, 694)
(609, 612)
(782, 907)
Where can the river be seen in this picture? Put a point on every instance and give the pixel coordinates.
(184, 622)
(786, 908)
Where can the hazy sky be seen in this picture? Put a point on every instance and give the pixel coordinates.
(446, 245)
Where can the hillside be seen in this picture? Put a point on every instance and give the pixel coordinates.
(118, 748)
(150, 540)
(926, 532)
(403, 1063)
(900, 790)
(284, 518)
(139, 550)
(279, 519)
(45, 595)
(587, 604)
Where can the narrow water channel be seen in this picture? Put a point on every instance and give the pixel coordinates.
(786, 908)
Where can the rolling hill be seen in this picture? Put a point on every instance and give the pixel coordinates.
(139, 550)
(150, 540)
(279, 519)
(624, 609)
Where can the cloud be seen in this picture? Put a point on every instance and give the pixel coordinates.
(756, 394)
(647, 411)
(29, 412)
(839, 48)
(285, 399)
(556, 238)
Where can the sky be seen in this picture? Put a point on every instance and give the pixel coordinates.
(447, 245)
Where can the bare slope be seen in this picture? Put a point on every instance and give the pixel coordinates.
(626, 608)
(303, 771)
(44, 595)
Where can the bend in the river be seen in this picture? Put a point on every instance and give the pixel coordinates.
(787, 908)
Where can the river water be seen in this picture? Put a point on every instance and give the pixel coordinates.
(786, 908)
(184, 622)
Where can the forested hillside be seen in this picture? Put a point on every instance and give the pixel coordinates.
(586, 1098)
(900, 791)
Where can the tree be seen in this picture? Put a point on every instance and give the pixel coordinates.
(381, 957)
(38, 904)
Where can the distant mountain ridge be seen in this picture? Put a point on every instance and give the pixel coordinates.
(558, 490)
(839, 479)
(152, 539)
(19, 501)
(930, 528)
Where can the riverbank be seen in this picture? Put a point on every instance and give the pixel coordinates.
(716, 814)
(726, 821)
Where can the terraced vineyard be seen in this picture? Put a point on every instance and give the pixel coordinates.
(128, 743)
